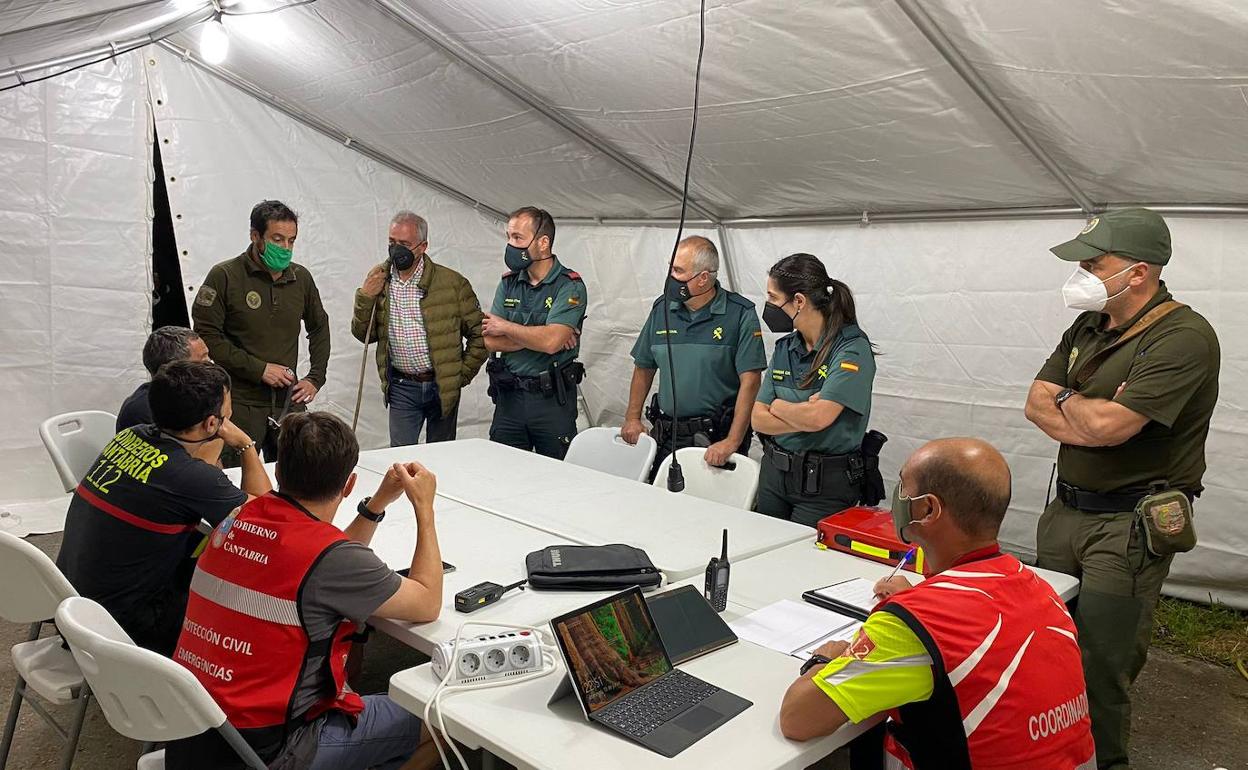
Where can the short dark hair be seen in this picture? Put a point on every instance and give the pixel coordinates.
(168, 343)
(183, 393)
(543, 222)
(316, 453)
(265, 212)
(976, 500)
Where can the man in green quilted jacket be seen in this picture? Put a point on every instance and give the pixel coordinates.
(426, 321)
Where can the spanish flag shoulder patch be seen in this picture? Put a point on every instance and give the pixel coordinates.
(758, 334)
(849, 366)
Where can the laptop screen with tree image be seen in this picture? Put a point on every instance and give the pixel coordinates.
(612, 649)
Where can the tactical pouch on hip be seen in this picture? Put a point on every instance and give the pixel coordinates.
(1166, 515)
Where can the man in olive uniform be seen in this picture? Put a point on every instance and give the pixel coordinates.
(248, 312)
(533, 332)
(1128, 393)
(717, 353)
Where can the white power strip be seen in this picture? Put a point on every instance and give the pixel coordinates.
(487, 657)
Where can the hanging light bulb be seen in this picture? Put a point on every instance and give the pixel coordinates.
(214, 43)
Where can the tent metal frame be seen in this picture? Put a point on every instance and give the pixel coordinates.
(707, 217)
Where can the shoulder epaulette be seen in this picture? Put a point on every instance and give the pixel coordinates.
(738, 299)
(659, 301)
(574, 275)
(510, 273)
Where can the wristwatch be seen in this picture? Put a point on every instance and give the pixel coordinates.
(1062, 395)
(815, 660)
(362, 509)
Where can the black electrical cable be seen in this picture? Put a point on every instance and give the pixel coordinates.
(31, 81)
(675, 477)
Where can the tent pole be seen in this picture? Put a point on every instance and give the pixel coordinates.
(108, 51)
(927, 25)
(336, 134)
(84, 16)
(467, 57)
(725, 253)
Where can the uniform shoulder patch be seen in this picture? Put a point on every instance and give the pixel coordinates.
(206, 296)
(575, 276)
(862, 646)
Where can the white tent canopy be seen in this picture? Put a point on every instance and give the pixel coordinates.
(858, 131)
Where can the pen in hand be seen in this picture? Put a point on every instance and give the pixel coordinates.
(909, 555)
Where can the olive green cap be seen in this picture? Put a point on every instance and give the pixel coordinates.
(1139, 234)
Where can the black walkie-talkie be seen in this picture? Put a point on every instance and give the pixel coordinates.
(716, 590)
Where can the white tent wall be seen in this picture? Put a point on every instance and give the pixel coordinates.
(75, 277)
(965, 313)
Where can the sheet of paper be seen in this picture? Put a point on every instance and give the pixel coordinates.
(791, 627)
(856, 592)
(845, 634)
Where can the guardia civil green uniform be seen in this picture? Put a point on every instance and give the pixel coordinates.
(249, 319)
(1091, 531)
(711, 348)
(535, 393)
(806, 476)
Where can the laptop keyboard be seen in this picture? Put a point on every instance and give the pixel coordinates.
(641, 711)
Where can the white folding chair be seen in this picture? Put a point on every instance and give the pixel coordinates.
(735, 484)
(74, 440)
(144, 695)
(32, 589)
(603, 450)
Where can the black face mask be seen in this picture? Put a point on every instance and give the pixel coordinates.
(518, 259)
(776, 319)
(401, 257)
(678, 291)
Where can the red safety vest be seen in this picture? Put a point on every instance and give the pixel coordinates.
(242, 637)
(1008, 681)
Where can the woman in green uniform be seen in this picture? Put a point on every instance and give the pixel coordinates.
(815, 400)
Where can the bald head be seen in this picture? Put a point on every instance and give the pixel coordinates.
(970, 478)
(698, 254)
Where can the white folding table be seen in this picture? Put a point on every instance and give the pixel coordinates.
(584, 506)
(516, 724)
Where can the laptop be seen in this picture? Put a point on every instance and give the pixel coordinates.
(622, 675)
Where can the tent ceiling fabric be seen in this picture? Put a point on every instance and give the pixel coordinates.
(836, 106)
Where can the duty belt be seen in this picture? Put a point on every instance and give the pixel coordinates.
(808, 469)
(1096, 502)
(686, 426)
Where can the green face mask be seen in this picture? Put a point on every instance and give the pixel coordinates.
(275, 257)
(901, 512)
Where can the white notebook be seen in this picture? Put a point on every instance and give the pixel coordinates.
(855, 593)
(794, 628)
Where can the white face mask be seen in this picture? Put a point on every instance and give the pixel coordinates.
(1084, 291)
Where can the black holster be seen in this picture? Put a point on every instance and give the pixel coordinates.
(872, 482)
(563, 380)
(500, 376)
